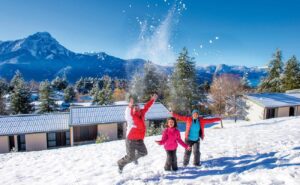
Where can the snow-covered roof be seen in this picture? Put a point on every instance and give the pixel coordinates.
(84, 104)
(37, 123)
(121, 103)
(271, 100)
(111, 114)
(26, 124)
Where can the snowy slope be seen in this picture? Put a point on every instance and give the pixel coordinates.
(266, 152)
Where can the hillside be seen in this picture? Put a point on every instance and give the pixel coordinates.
(40, 56)
(265, 152)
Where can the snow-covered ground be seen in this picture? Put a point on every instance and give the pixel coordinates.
(265, 152)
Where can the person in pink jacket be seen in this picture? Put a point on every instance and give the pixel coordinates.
(170, 139)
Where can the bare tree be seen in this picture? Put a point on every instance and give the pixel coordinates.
(226, 91)
(217, 93)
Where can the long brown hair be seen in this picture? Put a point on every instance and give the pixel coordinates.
(175, 122)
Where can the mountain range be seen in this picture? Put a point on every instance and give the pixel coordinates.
(40, 56)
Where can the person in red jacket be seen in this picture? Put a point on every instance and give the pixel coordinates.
(170, 139)
(194, 131)
(135, 147)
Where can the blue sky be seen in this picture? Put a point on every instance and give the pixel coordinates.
(244, 32)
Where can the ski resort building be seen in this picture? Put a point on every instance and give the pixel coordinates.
(272, 105)
(81, 126)
(34, 132)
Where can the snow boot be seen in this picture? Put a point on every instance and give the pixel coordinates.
(198, 164)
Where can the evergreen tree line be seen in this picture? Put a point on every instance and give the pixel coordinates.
(281, 76)
(178, 91)
(104, 91)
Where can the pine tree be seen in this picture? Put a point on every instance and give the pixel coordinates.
(2, 106)
(20, 98)
(79, 85)
(184, 91)
(272, 83)
(59, 83)
(95, 89)
(137, 86)
(3, 90)
(47, 102)
(3, 86)
(151, 81)
(147, 82)
(291, 75)
(69, 94)
(104, 96)
(17, 78)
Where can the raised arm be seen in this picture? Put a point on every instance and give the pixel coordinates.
(149, 103)
(210, 120)
(182, 118)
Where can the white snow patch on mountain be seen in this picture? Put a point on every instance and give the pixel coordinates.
(17, 46)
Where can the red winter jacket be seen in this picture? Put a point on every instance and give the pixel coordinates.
(138, 131)
(188, 120)
(170, 138)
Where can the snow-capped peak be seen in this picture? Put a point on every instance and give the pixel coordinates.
(40, 45)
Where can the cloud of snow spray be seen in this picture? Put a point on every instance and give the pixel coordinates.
(154, 43)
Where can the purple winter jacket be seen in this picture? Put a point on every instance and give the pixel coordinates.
(170, 138)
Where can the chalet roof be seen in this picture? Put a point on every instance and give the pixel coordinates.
(272, 100)
(112, 114)
(37, 123)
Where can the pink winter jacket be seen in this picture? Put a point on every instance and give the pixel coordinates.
(170, 138)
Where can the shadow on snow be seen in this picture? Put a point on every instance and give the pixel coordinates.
(228, 165)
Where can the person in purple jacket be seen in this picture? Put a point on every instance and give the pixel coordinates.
(170, 139)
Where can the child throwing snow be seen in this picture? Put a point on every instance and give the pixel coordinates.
(170, 138)
(135, 147)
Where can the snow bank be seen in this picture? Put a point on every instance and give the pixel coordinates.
(265, 152)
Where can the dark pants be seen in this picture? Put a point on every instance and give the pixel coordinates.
(171, 162)
(134, 150)
(195, 146)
